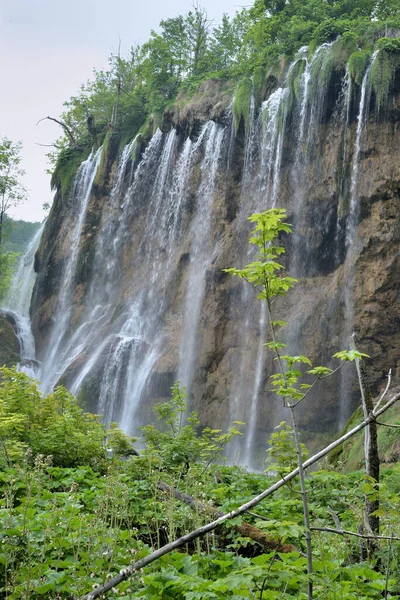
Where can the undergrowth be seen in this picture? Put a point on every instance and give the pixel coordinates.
(66, 530)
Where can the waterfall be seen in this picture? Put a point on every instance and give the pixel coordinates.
(201, 250)
(170, 219)
(250, 143)
(53, 364)
(352, 243)
(17, 304)
(271, 129)
(362, 119)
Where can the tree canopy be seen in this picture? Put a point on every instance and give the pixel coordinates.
(188, 49)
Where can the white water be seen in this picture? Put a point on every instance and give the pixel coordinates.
(352, 242)
(54, 362)
(17, 303)
(200, 252)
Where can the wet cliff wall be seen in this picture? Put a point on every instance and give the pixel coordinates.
(130, 293)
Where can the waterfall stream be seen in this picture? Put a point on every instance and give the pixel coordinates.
(17, 304)
(55, 361)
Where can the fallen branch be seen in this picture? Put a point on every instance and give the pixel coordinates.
(185, 539)
(267, 542)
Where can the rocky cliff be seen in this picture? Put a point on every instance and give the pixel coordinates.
(130, 293)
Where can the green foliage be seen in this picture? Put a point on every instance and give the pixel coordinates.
(8, 260)
(282, 456)
(383, 70)
(350, 355)
(18, 234)
(357, 64)
(177, 446)
(12, 191)
(67, 165)
(241, 104)
(264, 274)
(351, 454)
(53, 425)
(119, 443)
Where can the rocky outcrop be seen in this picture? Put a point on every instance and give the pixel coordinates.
(9, 344)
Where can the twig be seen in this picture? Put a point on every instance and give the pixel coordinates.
(336, 519)
(385, 391)
(201, 531)
(388, 425)
(359, 535)
(64, 126)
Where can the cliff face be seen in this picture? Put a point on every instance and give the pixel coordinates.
(130, 293)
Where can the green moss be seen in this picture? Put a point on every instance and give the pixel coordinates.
(241, 104)
(259, 83)
(67, 165)
(294, 78)
(101, 171)
(357, 65)
(383, 70)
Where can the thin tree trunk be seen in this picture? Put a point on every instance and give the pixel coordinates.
(371, 453)
(182, 541)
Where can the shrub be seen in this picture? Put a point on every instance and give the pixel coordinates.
(52, 425)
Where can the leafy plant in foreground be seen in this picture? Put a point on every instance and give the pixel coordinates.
(265, 274)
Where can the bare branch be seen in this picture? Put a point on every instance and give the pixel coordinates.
(67, 130)
(388, 425)
(359, 535)
(201, 531)
(336, 519)
(385, 391)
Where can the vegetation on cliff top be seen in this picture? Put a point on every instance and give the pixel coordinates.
(257, 42)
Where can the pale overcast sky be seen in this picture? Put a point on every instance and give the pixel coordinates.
(48, 48)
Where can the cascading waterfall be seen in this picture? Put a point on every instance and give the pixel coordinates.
(351, 240)
(201, 250)
(54, 361)
(17, 304)
(159, 249)
(271, 127)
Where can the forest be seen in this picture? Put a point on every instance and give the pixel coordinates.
(88, 511)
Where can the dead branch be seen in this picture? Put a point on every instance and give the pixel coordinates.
(359, 535)
(67, 129)
(267, 542)
(388, 425)
(385, 391)
(201, 531)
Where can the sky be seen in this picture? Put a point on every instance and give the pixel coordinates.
(48, 48)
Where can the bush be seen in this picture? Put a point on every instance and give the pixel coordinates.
(53, 425)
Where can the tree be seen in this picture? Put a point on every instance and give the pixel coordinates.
(197, 32)
(12, 191)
